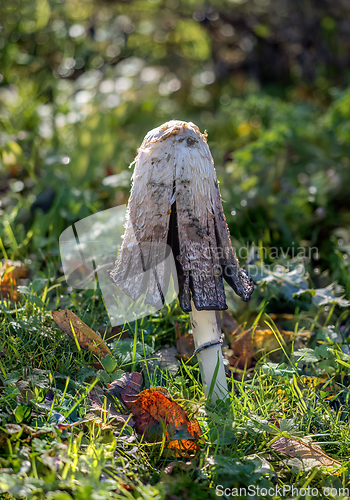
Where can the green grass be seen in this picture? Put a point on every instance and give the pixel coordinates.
(281, 153)
(45, 377)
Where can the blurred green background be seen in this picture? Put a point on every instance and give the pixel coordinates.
(82, 82)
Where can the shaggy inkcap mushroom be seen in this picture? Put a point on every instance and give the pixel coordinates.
(175, 201)
(175, 206)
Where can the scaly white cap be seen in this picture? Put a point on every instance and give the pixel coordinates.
(175, 201)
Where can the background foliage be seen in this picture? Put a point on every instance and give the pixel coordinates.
(82, 82)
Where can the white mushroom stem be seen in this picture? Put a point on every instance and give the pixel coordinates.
(205, 330)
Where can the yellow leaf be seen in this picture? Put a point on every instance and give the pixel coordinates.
(10, 273)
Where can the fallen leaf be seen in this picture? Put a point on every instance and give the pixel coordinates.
(101, 403)
(12, 429)
(166, 360)
(35, 433)
(10, 273)
(70, 324)
(153, 409)
(127, 387)
(312, 455)
(253, 343)
(26, 392)
(242, 351)
(8, 431)
(282, 316)
(157, 388)
(110, 333)
(265, 340)
(185, 345)
(226, 322)
(169, 469)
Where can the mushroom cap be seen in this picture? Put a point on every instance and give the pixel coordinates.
(175, 202)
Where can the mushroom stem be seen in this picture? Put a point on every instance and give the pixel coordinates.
(205, 330)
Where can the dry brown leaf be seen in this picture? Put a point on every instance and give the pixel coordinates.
(169, 469)
(242, 350)
(226, 322)
(87, 338)
(185, 345)
(251, 344)
(26, 392)
(302, 451)
(282, 316)
(166, 359)
(154, 408)
(110, 333)
(10, 273)
(35, 433)
(9, 430)
(101, 403)
(153, 412)
(265, 340)
(127, 387)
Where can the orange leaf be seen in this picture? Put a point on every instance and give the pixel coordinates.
(154, 411)
(153, 408)
(10, 273)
